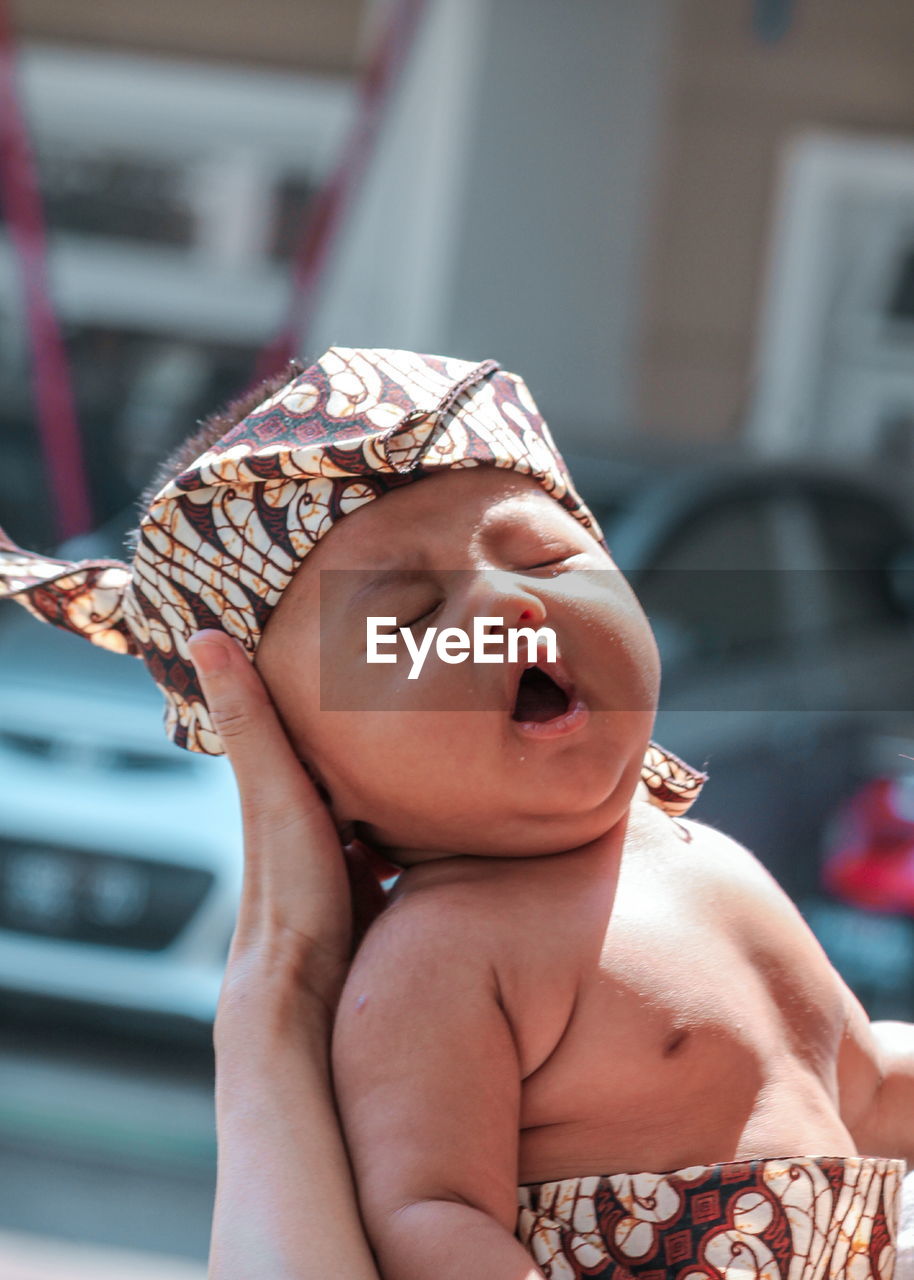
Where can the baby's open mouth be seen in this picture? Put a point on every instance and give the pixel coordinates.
(539, 698)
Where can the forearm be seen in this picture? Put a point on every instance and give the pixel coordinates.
(285, 1201)
(450, 1240)
(889, 1130)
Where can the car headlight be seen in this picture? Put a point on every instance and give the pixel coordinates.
(101, 898)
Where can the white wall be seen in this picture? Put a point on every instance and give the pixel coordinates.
(506, 211)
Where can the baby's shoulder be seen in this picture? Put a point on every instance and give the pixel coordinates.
(713, 852)
(715, 866)
(481, 940)
(428, 928)
(480, 900)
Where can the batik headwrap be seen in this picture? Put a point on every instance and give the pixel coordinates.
(220, 542)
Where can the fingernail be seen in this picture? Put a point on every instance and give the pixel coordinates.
(207, 657)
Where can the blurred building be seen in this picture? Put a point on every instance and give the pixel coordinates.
(299, 35)
(657, 211)
(178, 153)
(623, 200)
(731, 191)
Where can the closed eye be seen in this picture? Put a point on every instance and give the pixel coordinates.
(550, 564)
(428, 613)
(545, 564)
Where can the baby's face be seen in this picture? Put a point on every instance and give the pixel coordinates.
(439, 764)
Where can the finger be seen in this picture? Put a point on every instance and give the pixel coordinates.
(274, 787)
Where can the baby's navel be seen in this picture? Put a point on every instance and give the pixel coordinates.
(675, 1042)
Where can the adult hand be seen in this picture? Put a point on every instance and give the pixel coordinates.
(304, 897)
(278, 1138)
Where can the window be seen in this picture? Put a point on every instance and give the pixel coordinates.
(174, 193)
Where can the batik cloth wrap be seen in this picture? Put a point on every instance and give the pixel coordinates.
(804, 1218)
(220, 542)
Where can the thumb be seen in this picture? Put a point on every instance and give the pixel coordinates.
(266, 767)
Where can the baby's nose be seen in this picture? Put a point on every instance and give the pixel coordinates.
(505, 596)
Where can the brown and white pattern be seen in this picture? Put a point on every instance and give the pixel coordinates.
(672, 785)
(803, 1218)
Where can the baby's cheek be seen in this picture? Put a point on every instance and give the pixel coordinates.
(640, 649)
(650, 663)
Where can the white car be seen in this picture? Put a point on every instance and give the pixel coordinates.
(120, 854)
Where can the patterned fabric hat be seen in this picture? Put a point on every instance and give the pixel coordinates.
(220, 542)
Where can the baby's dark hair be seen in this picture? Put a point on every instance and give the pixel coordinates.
(209, 430)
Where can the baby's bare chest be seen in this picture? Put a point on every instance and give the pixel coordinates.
(680, 979)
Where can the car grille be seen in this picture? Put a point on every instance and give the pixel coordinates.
(100, 898)
(60, 750)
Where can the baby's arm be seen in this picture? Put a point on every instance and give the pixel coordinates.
(876, 1078)
(428, 1084)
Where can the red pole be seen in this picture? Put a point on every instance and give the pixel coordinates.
(52, 392)
(333, 200)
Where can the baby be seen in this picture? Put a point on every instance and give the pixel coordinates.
(588, 1036)
(567, 982)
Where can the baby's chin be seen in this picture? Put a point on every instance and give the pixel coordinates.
(528, 815)
(505, 836)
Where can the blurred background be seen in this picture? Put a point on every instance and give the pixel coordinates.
(688, 223)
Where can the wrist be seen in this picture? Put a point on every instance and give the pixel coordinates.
(276, 982)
